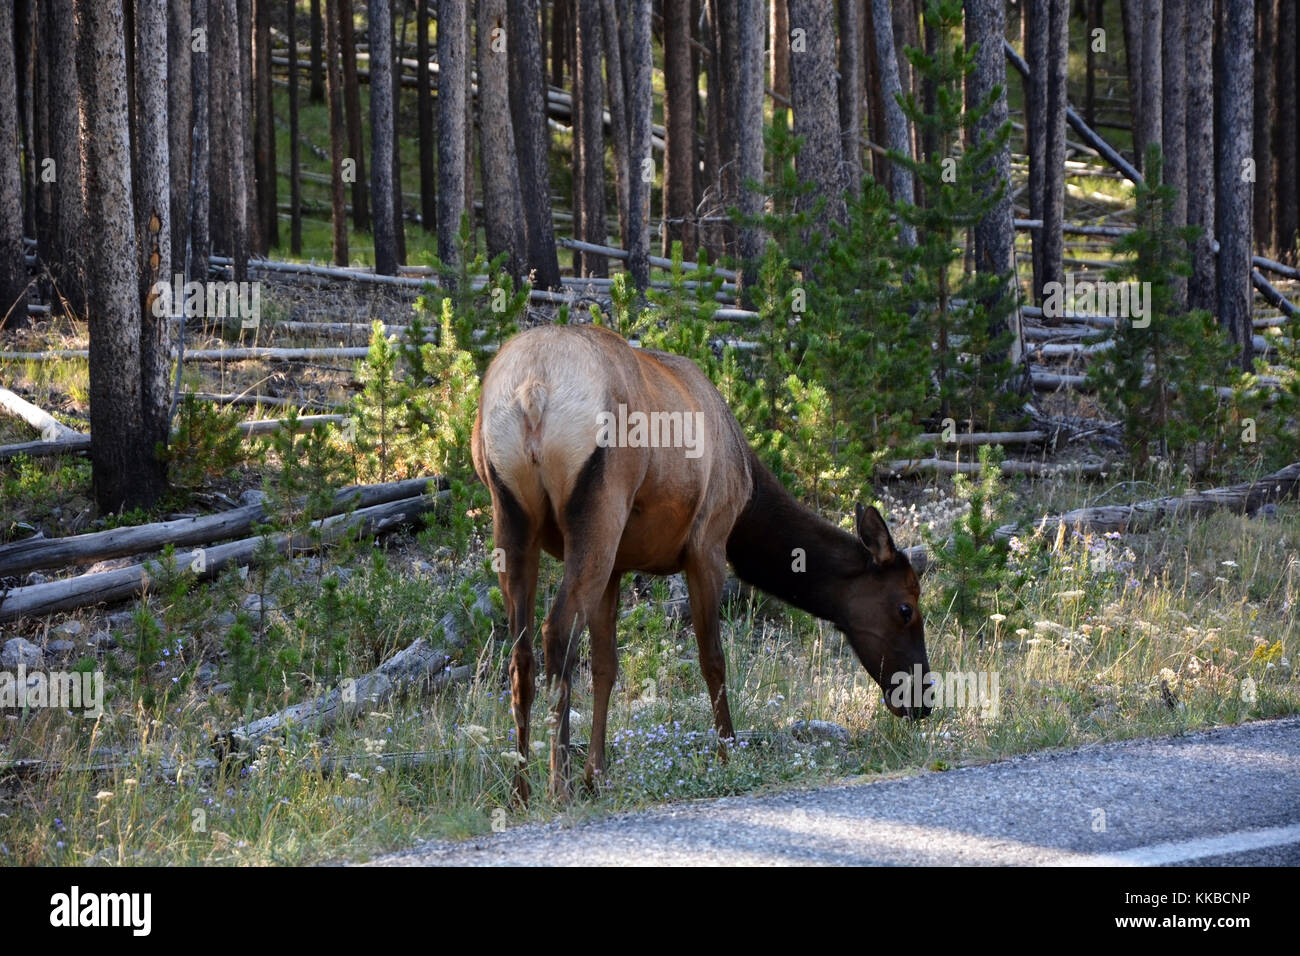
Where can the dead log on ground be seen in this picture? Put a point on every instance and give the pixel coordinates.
(50, 427)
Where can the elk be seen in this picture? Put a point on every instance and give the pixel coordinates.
(561, 441)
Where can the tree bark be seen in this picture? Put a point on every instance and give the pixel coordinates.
(1233, 214)
(317, 92)
(338, 132)
(152, 204)
(264, 129)
(125, 471)
(897, 137)
(1265, 78)
(381, 136)
(199, 208)
(850, 94)
(453, 33)
(1201, 286)
(253, 218)
(180, 123)
(1173, 123)
(679, 130)
(779, 51)
(399, 202)
(749, 146)
(1152, 113)
(1058, 51)
(589, 139)
(816, 112)
(352, 110)
(616, 93)
(532, 140)
(995, 235)
(295, 147)
(424, 107)
(13, 261)
(503, 213)
(1287, 221)
(638, 60)
(1133, 12)
(1035, 26)
(66, 267)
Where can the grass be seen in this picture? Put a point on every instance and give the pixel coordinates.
(1080, 657)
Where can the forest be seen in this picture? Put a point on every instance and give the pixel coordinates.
(1023, 275)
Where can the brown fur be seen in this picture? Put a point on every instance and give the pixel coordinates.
(609, 510)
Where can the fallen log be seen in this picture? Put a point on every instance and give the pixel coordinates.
(30, 554)
(123, 583)
(942, 466)
(987, 438)
(78, 445)
(49, 426)
(1271, 295)
(421, 666)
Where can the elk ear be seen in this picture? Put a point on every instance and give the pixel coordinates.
(874, 534)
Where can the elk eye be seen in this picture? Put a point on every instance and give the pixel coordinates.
(905, 612)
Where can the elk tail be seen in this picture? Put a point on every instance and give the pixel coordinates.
(531, 399)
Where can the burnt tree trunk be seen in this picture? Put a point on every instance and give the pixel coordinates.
(1173, 123)
(589, 139)
(1233, 214)
(1035, 29)
(1151, 113)
(295, 148)
(1265, 77)
(399, 203)
(749, 125)
(1058, 51)
(199, 209)
(1132, 12)
(850, 94)
(679, 126)
(1201, 285)
(616, 94)
(503, 213)
(180, 122)
(381, 137)
(69, 275)
(1286, 223)
(532, 140)
(264, 129)
(453, 36)
(253, 217)
(779, 51)
(897, 137)
(317, 92)
(424, 107)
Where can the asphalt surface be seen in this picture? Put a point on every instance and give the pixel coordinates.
(1226, 797)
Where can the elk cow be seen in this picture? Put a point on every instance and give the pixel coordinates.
(617, 459)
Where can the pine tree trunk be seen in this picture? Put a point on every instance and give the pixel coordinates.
(1152, 112)
(1058, 49)
(1133, 12)
(381, 136)
(453, 33)
(816, 112)
(352, 110)
(338, 132)
(227, 134)
(532, 140)
(503, 212)
(749, 125)
(264, 129)
(43, 198)
(317, 92)
(1094, 11)
(1287, 221)
(295, 148)
(616, 94)
(125, 471)
(1035, 26)
(253, 217)
(850, 94)
(897, 136)
(1201, 286)
(152, 202)
(25, 35)
(589, 139)
(180, 124)
(13, 264)
(399, 202)
(1173, 123)
(1265, 77)
(424, 107)
(679, 126)
(1233, 214)
(780, 48)
(875, 97)
(995, 237)
(199, 210)
(68, 268)
(639, 60)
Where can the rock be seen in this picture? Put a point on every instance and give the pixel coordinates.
(224, 620)
(120, 620)
(37, 578)
(103, 640)
(60, 648)
(69, 629)
(422, 568)
(18, 650)
(206, 673)
(252, 497)
(221, 688)
(810, 730)
(255, 604)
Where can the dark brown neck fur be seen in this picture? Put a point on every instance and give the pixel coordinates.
(762, 546)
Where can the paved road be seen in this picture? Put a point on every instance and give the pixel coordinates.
(1229, 796)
